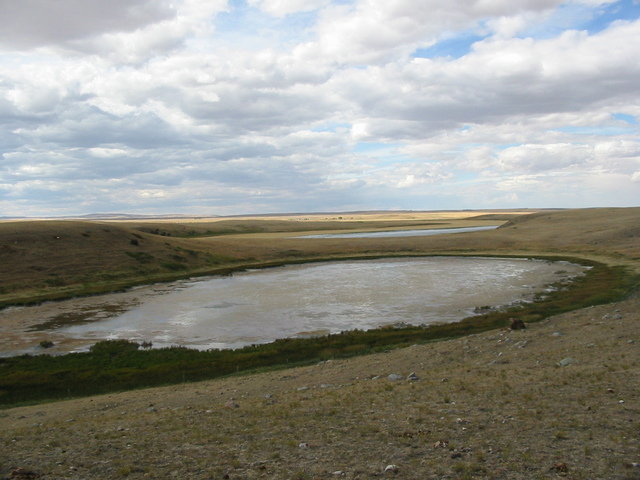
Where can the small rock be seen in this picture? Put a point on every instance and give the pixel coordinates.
(560, 467)
(441, 444)
(302, 389)
(517, 324)
(556, 334)
(338, 473)
(395, 377)
(566, 362)
(412, 377)
(391, 468)
(231, 405)
(303, 445)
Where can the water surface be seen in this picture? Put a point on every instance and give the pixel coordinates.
(293, 301)
(402, 233)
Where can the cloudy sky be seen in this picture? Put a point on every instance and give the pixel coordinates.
(262, 106)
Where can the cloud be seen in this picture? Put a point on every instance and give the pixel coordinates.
(35, 23)
(276, 105)
(281, 8)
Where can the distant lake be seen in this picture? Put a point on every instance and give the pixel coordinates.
(401, 233)
(293, 301)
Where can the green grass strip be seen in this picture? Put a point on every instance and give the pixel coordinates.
(120, 365)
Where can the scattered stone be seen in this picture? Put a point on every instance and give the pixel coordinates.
(231, 405)
(556, 334)
(566, 362)
(391, 468)
(303, 445)
(412, 377)
(302, 389)
(338, 473)
(441, 444)
(395, 377)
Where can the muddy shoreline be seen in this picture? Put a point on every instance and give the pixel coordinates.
(22, 329)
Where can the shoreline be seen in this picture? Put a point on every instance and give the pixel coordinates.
(24, 328)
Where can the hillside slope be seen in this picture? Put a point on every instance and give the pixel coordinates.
(56, 259)
(44, 257)
(560, 399)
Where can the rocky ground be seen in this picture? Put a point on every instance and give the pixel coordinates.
(559, 399)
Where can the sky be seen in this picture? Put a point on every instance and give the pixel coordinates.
(228, 107)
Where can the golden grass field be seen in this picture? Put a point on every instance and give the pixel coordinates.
(497, 405)
(52, 259)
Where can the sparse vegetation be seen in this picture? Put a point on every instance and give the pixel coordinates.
(119, 364)
(488, 404)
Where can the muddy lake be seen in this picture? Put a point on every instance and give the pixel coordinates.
(294, 301)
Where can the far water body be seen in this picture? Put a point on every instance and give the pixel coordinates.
(402, 233)
(317, 299)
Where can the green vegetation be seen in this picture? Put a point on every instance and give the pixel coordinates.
(121, 364)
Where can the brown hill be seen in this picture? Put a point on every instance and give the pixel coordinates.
(556, 400)
(53, 259)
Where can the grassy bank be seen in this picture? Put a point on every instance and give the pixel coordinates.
(120, 365)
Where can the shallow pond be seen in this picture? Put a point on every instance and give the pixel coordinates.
(402, 233)
(264, 305)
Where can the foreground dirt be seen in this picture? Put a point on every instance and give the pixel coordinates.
(559, 399)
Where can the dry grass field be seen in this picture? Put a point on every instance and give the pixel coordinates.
(557, 400)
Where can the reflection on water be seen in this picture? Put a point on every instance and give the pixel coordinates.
(303, 300)
(294, 301)
(402, 233)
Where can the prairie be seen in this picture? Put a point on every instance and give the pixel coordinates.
(558, 399)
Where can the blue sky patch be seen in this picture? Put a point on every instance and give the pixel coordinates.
(586, 130)
(630, 119)
(628, 10)
(243, 22)
(454, 47)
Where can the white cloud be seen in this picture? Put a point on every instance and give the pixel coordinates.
(289, 103)
(35, 23)
(281, 8)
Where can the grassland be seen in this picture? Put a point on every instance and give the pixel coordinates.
(56, 259)
(489, 405)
